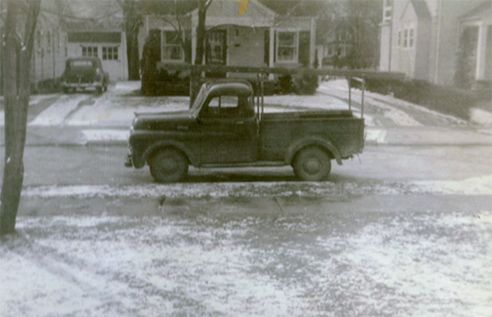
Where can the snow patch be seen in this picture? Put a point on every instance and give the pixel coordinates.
(480, 116)
(416, 267)
(375, 136)
(471, 186)
(102, 135)
(481, 185)
(58, 111)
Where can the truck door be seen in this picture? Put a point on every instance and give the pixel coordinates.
(228, 131)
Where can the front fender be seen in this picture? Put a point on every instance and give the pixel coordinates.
(323, 143)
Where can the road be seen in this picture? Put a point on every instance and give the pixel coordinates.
(403, 230)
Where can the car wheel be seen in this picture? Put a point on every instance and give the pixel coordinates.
(312, 164)
(168, 165)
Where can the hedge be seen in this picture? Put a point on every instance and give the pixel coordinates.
(449, 100)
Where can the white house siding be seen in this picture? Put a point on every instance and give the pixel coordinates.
(422, 48)
(48, 57)
(448, 41)
(407, 55)
(385, 54)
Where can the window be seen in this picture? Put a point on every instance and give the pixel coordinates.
(89, 51)
(287, 43)
(39, 39)
(171, 50)
(399, 38)
(410, 38)
(110, 53)
(387, 10)
(222, 106)
(405, 38)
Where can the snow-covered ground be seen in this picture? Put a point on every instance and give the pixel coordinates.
(481, 185)
(117, 107)
(226, 259)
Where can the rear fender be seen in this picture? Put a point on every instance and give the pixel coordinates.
(160, 145)
(312, 141)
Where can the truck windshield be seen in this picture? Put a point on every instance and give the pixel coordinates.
(200, 98)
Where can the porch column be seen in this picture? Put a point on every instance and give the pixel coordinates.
(271, 48)
(193, 41)
(481, 52)
(312, 44)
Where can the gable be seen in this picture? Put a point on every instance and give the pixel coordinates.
(415, 10)
(227, 8)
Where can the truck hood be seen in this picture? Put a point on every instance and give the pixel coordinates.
(161, 120)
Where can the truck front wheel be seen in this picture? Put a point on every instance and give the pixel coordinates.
(312, 164)
(168, 165)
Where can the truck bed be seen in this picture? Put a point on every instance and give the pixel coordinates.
(339, 127)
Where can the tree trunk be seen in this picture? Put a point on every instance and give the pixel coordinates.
(132, 26)
(132, 54)
(200, 32)
(17, 67)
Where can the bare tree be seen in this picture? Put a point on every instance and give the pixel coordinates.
(201, 30)
(132, 23)
(18, 47)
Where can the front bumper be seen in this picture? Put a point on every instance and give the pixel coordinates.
(82, 85)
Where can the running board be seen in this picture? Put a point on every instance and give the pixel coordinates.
(250, 164)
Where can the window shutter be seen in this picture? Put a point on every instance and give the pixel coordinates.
(304, 42)
(155, 43)
(274, 46)
(266, 47)
(187, 48)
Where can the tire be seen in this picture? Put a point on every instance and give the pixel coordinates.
(168, 165)
(312, 164)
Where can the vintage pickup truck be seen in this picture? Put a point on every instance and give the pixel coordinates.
(227, 127)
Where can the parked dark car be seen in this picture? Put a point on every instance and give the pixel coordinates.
(225, 127)
(84, 73)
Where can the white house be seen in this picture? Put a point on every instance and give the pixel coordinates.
(236, 36)
(422, 38)
(104, 41)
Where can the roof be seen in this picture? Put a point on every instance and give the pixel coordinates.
(94, 37)
(229, 87)
(478, 10)
(421, 9)
(282, 7)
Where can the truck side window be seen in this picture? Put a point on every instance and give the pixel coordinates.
(223, 106)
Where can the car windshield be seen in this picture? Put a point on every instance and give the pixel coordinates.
(200, 98)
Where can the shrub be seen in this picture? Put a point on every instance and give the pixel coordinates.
(303, 83)
(444, 99)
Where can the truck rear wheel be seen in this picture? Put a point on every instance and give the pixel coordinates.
(312, 164)
(168, 165)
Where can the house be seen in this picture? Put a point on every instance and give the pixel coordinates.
(95, 28)
(337, 44)
(104, 40)
(239, 33)
(50, 44)
(75, 28)
(437, 40)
